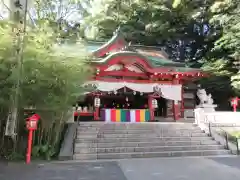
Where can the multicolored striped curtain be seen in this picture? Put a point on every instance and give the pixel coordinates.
(125, 115)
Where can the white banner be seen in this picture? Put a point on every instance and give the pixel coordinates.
(168, 91)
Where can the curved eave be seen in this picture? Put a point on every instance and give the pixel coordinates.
(173, 67)
(121, 53)
(148, 60)
(114, 39)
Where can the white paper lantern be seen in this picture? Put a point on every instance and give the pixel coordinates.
(97, 102)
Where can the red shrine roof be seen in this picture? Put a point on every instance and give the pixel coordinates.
(155, 57)
(152, 61)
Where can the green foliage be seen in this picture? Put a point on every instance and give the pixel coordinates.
(142, 21)
(51, 83)
(15, 156)
(63, 16)
(176, 3)
(54, 76)
(155, 22)
(235, 134)
(223, 59)
(45, 151)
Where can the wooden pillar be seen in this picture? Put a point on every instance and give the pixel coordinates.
(182, 104)
(175, 106)
(150, 106)
(175, 110)
(96, 113)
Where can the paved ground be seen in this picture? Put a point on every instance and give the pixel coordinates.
(224, 168)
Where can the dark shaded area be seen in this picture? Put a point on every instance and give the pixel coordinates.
(83, 118)
(161, 111)
(75, 171)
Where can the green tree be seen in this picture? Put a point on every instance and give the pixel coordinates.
(141, 20)
(181, 27)
(51, 82)
(222, 59)
(63, 15)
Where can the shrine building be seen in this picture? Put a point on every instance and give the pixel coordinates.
(134, 83)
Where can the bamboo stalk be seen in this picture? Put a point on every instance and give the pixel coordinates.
(58, 129)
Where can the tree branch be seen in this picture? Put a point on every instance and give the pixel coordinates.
(6, 6)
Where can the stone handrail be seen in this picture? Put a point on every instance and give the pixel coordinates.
(212, 122)
(67, 147)
(225, 118)
(216, 117)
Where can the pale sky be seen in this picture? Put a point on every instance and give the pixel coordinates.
(73, 15)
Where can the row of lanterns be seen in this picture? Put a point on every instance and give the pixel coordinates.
(97, 102)
(176, 75)
(115, 92)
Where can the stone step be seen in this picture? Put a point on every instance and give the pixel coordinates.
(89, 127)
(143, 140)
(143, 144)
(147, 149)
(140, 125)
(138, 131)
(150, 154)
(152, 135)
(115, 129)
(116, 132)
(159, 139)
(91, 124)
(137, 125)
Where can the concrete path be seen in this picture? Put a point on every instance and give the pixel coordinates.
(220, 168)
(182, 169)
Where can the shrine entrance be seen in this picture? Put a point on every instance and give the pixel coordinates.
(125, 99)
(161, 110)
(119, 65)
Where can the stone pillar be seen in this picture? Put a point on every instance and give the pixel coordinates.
(200, 110)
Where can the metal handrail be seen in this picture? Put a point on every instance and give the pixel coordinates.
(226, 136)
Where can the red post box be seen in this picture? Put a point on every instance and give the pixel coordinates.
(31, 123)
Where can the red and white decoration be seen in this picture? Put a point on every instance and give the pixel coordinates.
(168, 91)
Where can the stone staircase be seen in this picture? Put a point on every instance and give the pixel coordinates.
(96, 140)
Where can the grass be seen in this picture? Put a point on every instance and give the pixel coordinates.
(235, 134)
